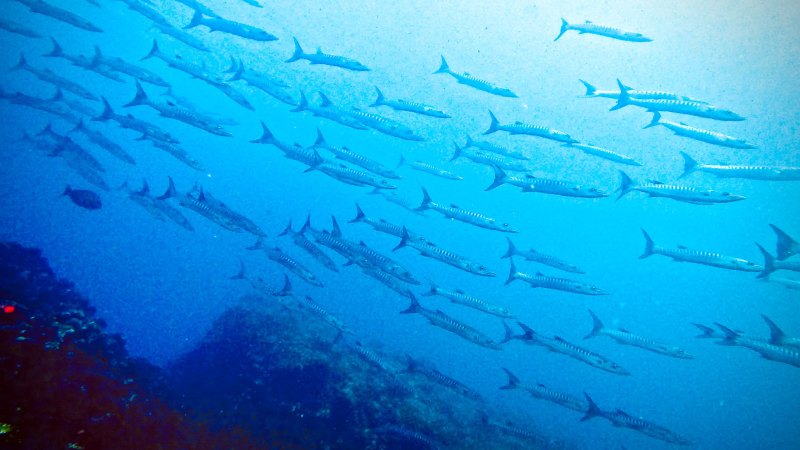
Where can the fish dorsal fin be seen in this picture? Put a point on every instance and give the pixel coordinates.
(430, 244)
(588, 21)
(459, 291)
(559, 339)
(518, 123)
(453, 205)
(171, 103)
(683, 123)
(319, 50)
(541, 385)
(683, 247)
(362, 243)
(539, 274)
(656, 182)
(202, 196)
(529, 177)
(624, 330)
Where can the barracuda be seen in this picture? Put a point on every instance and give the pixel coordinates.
(698, 134)
(592, 91)
(383, 226)
(230, 27)
(620, 418)
(48, 76)
(771, 264)
(323, 58)
(459, 297)
(176, 152)
(330, 112)
(626, 338)
(172, 111)
(103, 142)
(588, 27)
(683, 254)
(259, 285)
(177, 62)
(46, 9)
(347, 174)
(539, 280)
(558, 345)
(677, 106)
(269, 85)
(442, 320)
(429, 168)
(528, 129)
(404, 105)
(766, 173)
(280, 257)
(487, 158)
(431, 250)
(84, 62)
(779, 353)
(414, 366)
(130, 122)
(676, 192)
(119, 65)
(601, 152)
(345, 154)
(463, 215)
(543, 258)
(492, 148)
(304, 243)
(529, 183)
(200, 206)
(295, 152)
(545, 393)
(474, 82)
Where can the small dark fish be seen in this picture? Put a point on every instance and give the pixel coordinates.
(83, 198)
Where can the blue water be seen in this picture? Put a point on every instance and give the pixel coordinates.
(161, 286)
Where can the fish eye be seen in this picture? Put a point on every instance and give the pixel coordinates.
(506, 225)
(481, 268)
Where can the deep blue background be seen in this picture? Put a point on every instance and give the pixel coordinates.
(161, 286)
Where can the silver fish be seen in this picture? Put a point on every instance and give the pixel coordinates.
(699, 134)
(543, 258)
(676, 192)
(767, 173)
(540, 280)
(677, 106)
(683, 254)
(528, 129)
(601, 30)
(463, 215)
(323, 58)
(442, 320)
(461, 298)
(626, 338)
(405, 105)
(545, 393)
(474, 82)
(620, 418)
(230, 27)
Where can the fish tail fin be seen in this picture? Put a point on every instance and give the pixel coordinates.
(689, 164)
(401, 163)
(97, 58)
(654, 121)
(591, 91)
(67, 190)
(286, 290)
(107, 113)
(57, 51)
(626, 184)
(153, 50)
(335, 230)
(259, 245)
(320, 142)
(414, 307)
(266, 136)
(298, 52)
(426, 201)
(306, 225)
(197, 19)
(786, 245)
(513, 381)
(359, 215)
(512, 249)
(592, 410)
(443, 67)
(508, 334)
(529, 335)
(303, 105)
(769, 262)
(649, 246)
(316, 161)
(706, 332)
(596, 327)
(564, 28)
(374, 191)
(457, 152)
(776, 335)
(79, 127)
(499, 178)
(380, 100)
(403, 239)
(21, 64)
(237, 74)
(242, 274)
(730, 335)
(287, 230)
(140, 98)
(58, 96)
(512, 272)
(624, 98)
(171, 191)
(493, 125)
